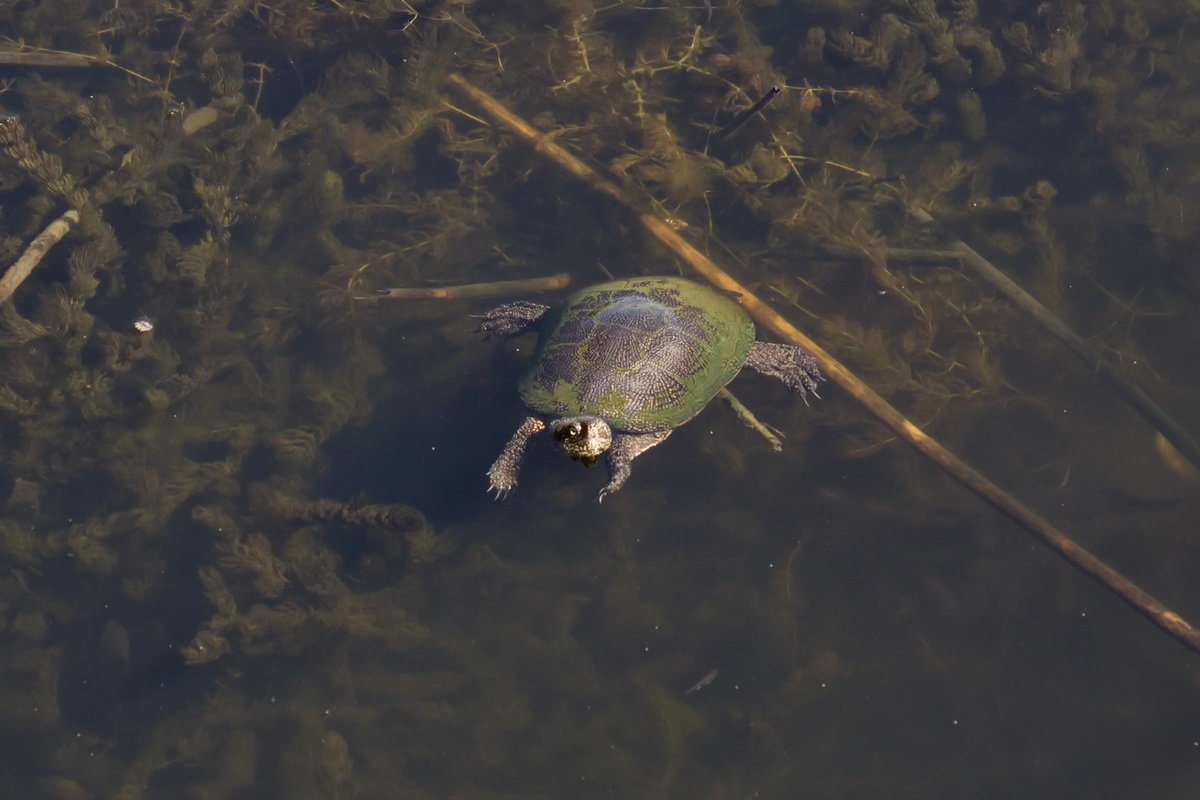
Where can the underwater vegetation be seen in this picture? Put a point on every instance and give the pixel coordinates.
(188, 609)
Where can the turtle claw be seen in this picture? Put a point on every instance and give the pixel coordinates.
(618, 473)
(499, 485)
(793, 366)
(502, 475)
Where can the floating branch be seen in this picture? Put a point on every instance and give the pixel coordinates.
(30, 56)
(1041, 529)
(33, 254)
(24, 59)
(474, 290)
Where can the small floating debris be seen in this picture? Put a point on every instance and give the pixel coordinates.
(143, 325)
(705, 680)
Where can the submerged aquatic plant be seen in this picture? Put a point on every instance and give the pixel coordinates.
(244, 171)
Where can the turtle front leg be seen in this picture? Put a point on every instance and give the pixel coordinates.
(625, 448)
(511, 319)
(794, 366)
(502, 475)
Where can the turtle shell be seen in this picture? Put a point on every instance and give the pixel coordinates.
(643, 355)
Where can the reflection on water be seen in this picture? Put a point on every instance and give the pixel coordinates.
(250, 552)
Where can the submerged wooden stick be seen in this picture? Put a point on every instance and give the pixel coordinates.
(33, 254)
(748, 418)
(767, 317)
(1020, 298)
(475, 290)
(24, 58)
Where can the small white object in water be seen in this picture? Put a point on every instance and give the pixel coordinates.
(143, 324)
(708, 678)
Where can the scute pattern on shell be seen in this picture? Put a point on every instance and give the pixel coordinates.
(644, 354)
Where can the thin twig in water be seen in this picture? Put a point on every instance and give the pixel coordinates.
(751, 421)
(33, 254)
(743, 117)
(474, 290)
(26, 59)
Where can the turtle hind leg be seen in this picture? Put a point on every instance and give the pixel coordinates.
(792, 365)
(625, 448)
(502, 475)
(511, 319)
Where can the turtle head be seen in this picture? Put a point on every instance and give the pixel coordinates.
(584, 438)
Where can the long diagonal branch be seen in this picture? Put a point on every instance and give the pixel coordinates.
(767, 317)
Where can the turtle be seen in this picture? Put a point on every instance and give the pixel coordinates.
(620, 365)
